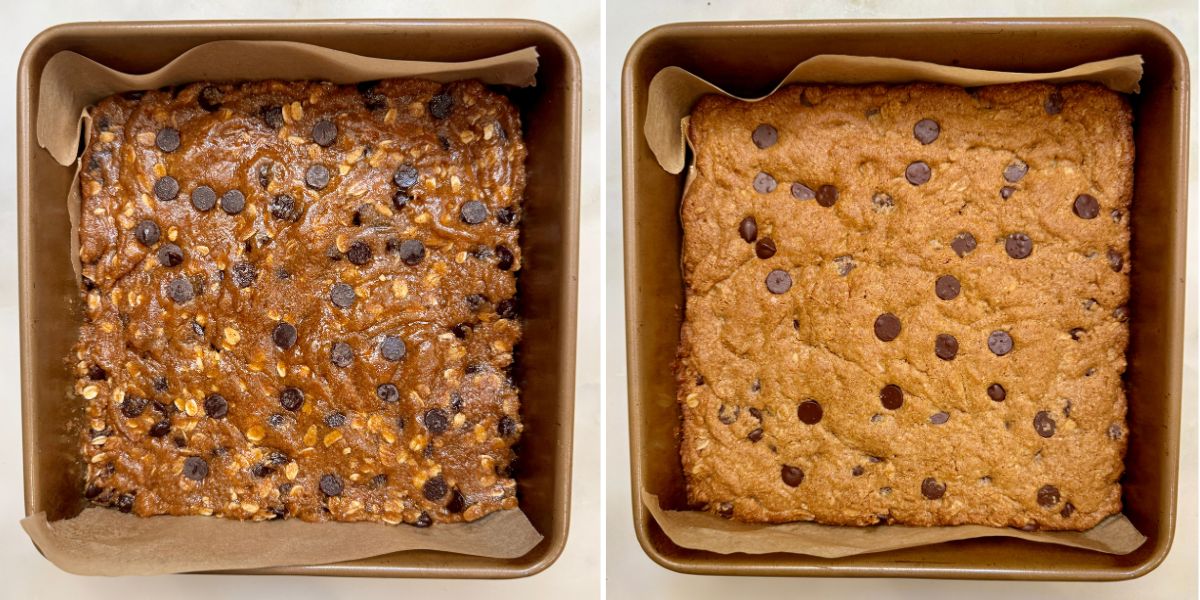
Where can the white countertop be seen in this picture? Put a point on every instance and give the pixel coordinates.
(630, 574)
(27, 575)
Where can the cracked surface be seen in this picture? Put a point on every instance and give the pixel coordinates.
(878, 249)
(388, 398)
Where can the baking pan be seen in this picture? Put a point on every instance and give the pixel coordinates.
(748, 59)
(545, 368)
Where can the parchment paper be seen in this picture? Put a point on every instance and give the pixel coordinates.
(106, 542)
(672, 93)
(706, 531)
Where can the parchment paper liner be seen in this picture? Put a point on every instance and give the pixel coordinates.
(670, 98)
(101, 541)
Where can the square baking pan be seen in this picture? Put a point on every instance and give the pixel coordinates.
(545, 367)
(748, 59)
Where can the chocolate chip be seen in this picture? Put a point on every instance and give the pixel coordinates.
(792, 476)
(1086, 206)
(476, 302)
(400, 199)
(170, 255)
(810, 412)
(284, 335)
(342, 295)
(473, 212)
(1048, 496)
(435, 488)
(1000, 343)
(359, 253)
(778, 282)
(1044, 424)
(133, 406)
(1068, 509)
(264, 174)
(324, 133)
(506, 427)
(947, 287)
(507, 309)
(97, 373)
(335, 419)
(856, 471)
(1015, 171)
(125, 503)
(436, 420)
(939, 418)
(233, 202)
(260, 470)
(926, 131)
(748, 229)
(725, 510)
(392, 348)
(802, 192)
(272, 116)
(440, 105)
(412, 252)
(1054, 103)
(276, 420)
(946, 347)
(209, 98)
(166, 189)
(423, 520)
(461, 330)
(963, 244)
(1006, 192)
(195, 468)
(204, 198)
(331, 485)
(291, 398)
(1121, 314)
(727, 416)
(215, 406)
(765, 248)
(316, 177)
(341, 355)
(506, 215)
(1077, 333)
(504, 258)
(146, 232)
(244, 274)
(764, 183)
(1115, 432)
(931, 489)
(180, 290)
(405, 176)
(891, 396)
(457, 503)
(387, 392)
(764, 136)
(827, 195)
(918, 172)
(372, 99)
(887, 327)
(284, 208)
(1115, 260)
(1018, 245)
(996, 392)
(882, 202)
(161, 428)
(167, 139)
(755, 435)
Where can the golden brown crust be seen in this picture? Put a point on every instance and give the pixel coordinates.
(880, 248)
(167, 328)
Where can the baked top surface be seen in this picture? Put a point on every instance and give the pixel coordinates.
(842, 334)
(300, 301)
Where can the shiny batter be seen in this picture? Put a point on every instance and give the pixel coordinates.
(300, 301)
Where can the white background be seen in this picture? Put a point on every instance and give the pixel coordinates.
(25, 574)
(630, 574)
